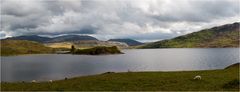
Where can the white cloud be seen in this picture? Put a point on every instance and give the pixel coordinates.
(138, 19)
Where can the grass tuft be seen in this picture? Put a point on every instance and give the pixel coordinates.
(234, 84)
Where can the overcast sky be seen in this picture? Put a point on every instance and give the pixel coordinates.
(143, 20)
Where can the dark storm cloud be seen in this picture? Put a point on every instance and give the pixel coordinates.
(84, 30)
(138, 19)
(87, 31)
(200, 11)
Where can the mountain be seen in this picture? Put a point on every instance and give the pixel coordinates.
(18, 47)
(72, 38)
(55, 39)
(216, 37)
(129, 42)
(31, 38)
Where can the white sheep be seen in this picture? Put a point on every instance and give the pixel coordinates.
(34, 81)
(198, 77)
(50, 81)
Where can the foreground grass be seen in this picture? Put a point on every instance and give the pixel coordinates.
(212, 80)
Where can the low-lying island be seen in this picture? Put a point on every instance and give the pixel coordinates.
(100, 50)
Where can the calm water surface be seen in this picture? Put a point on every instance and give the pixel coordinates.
(58, 66)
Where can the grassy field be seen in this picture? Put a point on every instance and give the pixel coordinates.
(212, 80)
(59, 45)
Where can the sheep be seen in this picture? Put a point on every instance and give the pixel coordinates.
(50, 81)
(34, 81)
(198, 77)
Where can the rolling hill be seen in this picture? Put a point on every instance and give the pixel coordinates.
(216, 37)
(18, 47)
(129, 42)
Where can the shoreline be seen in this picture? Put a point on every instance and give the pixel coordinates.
(213, 80)
(121, 49)
(112, 72)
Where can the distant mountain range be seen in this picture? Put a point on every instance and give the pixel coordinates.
(216, 37)
(77, 38)
(67, 38)
(129, 42)
(55, 39)
(35, 38)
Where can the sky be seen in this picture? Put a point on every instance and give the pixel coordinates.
(142, 20)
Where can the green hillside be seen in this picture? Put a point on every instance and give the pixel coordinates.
(217, 37)
(18, 47)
